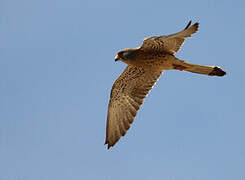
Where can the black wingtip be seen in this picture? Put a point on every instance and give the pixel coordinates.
(189, 23)
(196, 24)
(108, 145)
(217, 71)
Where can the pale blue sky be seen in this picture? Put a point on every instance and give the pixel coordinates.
(56, 71)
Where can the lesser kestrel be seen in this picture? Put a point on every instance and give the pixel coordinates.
(145, 66)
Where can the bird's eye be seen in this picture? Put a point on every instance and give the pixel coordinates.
(125, 55)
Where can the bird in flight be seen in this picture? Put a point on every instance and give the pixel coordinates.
(145, 65)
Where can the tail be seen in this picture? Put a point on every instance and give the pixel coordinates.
(199, 69)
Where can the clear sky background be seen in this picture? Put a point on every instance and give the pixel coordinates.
(56, 72)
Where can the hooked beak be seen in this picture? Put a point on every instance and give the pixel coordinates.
(117, 58)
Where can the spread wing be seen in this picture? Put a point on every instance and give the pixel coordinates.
(169, 43)
(127, 94)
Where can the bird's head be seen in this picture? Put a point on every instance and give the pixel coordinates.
(126, 54)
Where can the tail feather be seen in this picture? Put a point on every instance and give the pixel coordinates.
(217, 71)
(199, 69)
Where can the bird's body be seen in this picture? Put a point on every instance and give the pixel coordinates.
(145, 65)
(151, 60)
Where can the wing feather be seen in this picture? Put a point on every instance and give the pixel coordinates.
(170, 43)
(127, 95)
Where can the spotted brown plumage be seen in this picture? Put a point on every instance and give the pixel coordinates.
(170, 43)
(145, 66)
(127, 95)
